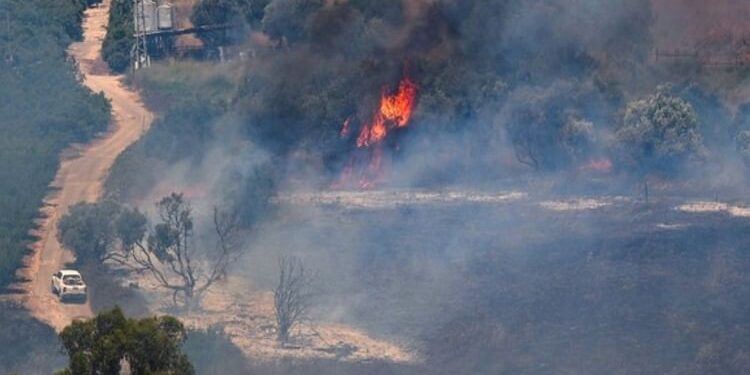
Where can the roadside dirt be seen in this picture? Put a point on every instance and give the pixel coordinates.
(82, 172)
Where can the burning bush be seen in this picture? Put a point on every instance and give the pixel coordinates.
(394, 113)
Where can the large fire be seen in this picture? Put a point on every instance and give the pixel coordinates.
(394, 112)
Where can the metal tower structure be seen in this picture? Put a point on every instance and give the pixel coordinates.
(140, 50)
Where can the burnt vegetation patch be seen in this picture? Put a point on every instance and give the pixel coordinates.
(612, 295)
(521, 289)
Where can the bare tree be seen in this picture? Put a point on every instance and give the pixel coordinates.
(171, 256)
(291, 297)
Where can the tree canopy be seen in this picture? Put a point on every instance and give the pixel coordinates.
(659, 133)
(103, 344)
(89, 228)
(119, 39)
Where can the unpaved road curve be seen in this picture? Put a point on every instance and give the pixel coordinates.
(81, 176)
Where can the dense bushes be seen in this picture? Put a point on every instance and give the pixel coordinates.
(119, 39)
(211, 353)
(43, 108)
(659, 132)
(495, 78)
(149, 345)
(29, 346)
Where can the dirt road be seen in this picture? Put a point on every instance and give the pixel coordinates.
(82, 172)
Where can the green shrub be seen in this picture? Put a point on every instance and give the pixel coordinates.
(119, 39)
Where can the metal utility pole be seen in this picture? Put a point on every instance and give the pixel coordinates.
(140, 51)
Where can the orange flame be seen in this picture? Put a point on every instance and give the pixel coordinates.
(394, 112)
(398, 107)
(345, 130)
(604, 166)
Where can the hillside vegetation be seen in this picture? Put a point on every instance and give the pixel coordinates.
(504, 89)
(43, 109)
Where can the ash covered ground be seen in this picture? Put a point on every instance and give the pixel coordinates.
(504, 282)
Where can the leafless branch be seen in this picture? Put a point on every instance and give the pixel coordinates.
(169, 251)
(292, 296)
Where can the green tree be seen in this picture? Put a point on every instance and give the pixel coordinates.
(287, 20)
(95, 231)
(119, 39)
(130, 227)
(544, 127)
(219, 12)
(108, 231)
(172, 257)
(659, 133)
(213, 12)
(102, 345)
(88, 229)
(216, 12)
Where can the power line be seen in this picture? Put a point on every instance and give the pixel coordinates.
(140, 50)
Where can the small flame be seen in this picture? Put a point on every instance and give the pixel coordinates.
(373, 133)
(599, 166)
(346, 128)
(394, 112)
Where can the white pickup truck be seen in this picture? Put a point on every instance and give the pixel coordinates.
(68, 284)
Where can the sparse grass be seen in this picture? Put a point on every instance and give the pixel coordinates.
(167, 84)
(188, 97)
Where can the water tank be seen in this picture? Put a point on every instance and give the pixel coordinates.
(149, 14)
(145, 16)
(165, 15)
